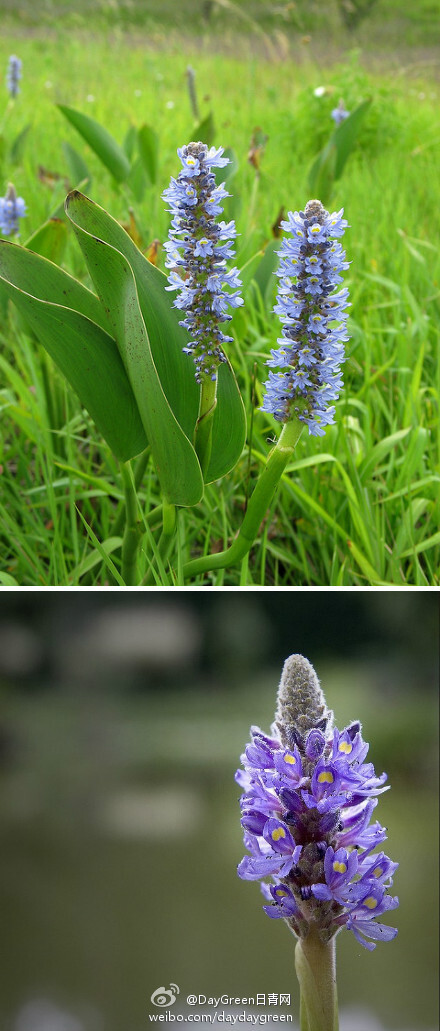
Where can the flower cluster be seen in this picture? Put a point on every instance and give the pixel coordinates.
(311, 348)
(13, 75)
(196, 255)
(306, 813)
(11, 209)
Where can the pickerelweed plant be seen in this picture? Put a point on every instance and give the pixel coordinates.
(155, 374)
(306, 808)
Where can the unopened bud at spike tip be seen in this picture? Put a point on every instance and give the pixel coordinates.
(300, 702)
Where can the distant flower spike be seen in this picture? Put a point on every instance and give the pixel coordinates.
(197, 253)
(11, 209)
(306, 809)
(311, 351)
(340, 113)
(13, 75)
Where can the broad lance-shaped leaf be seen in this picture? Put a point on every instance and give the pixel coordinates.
(167, 339)
(165, 336)
(75, 339)
(100, 140)
(175, 459)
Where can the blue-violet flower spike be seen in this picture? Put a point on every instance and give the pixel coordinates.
(308, 360)
(196, 255)
(13, 75)
(308, 797)
(340, 113)
(11, 209)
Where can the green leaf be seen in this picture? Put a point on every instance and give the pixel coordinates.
(322, 172)
(92, 560)
(166, 337)
(78, 171)
(345, 135)
(204, 132)
(49, 240)
(229, 426)
(377, 454)
(137, 180)
(84, 352)
(102, 550)
(101, 142)
(264, 273)
(129, 143)
(175, 459)
(17, 147)
(148, 146)
(8, 581)
(24, 269)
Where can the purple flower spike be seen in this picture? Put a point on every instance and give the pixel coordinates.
(13, 75)
(306, 811)
(11, 209)
(308, 360)
(196, 254)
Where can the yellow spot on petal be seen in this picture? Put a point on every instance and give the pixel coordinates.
(378, 871)
(281, 894)
(339, 867)
(278, 833)
(370, 902)
(290, 759)
(345, 746)
(317, 229)
(325, 777)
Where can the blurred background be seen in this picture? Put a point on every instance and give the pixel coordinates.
(122, 722)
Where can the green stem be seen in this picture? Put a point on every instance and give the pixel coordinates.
(315, 964)
(203, 430)
(257, 506)
(131, 538)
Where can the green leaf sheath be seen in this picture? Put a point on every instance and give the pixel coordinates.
(132, 531)
(204, 424)
(315, 964)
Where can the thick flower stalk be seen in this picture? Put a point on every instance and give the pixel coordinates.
(308, 360)
(11, 209)
(197, 252)
(306, 809)
(13, 75)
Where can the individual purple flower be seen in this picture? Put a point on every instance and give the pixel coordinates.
(197, 252)
(282, 901)
(11, 209)
(307, 804)
(308, 360)
(13, 75)
(340, 113)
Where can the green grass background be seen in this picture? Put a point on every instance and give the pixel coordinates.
(360, 506)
